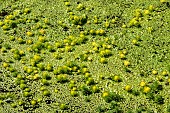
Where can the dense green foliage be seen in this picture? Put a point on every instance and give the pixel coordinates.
(84, 56)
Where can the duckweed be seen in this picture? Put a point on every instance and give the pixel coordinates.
(84, 56)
